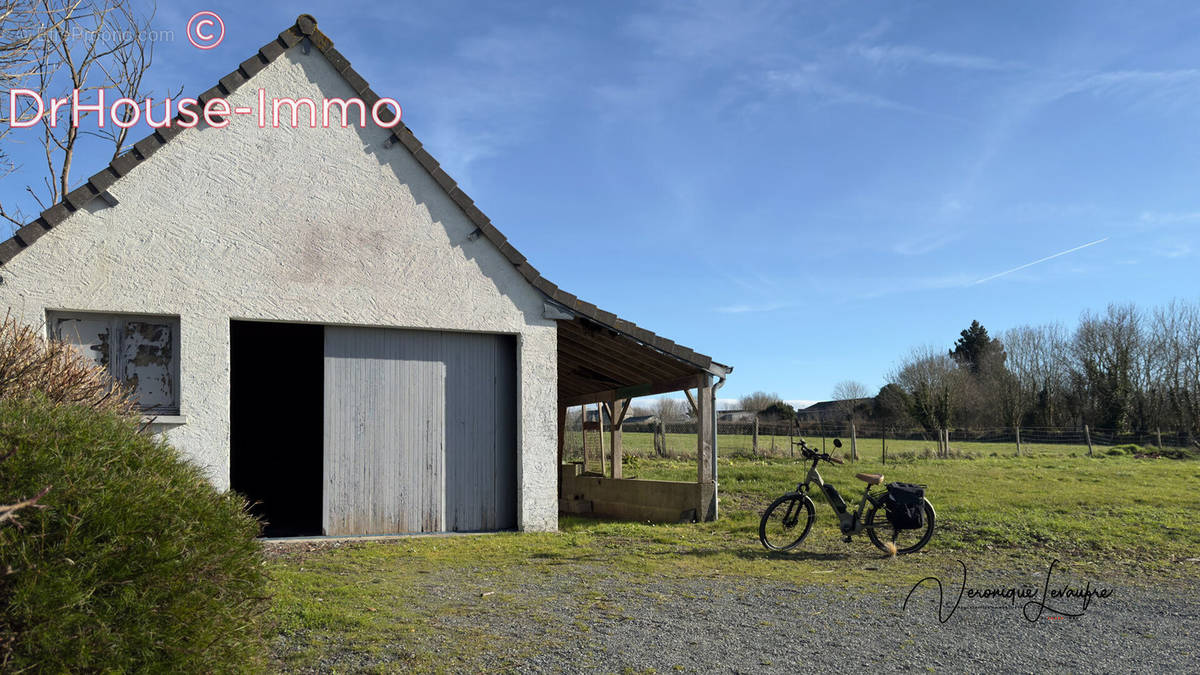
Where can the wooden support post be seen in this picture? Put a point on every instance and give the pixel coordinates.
(600, 420)
(562, 439)
(754, 441)
(704, 467)
(583, 449)
(617, 418)
(883, 440)
(853, 442)
(1087, 435)
(772, 442)
(947, 442)
(1018, 430)
(1158, 435)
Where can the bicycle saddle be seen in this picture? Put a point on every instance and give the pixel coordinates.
(870, 478)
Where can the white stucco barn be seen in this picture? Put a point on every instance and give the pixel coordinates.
(323, 319)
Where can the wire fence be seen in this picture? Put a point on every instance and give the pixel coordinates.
(868, 442)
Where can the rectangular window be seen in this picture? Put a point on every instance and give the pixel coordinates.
(141, 351)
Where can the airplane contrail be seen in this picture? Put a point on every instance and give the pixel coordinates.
(1042, 260)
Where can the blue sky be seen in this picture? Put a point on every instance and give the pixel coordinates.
(801, 190)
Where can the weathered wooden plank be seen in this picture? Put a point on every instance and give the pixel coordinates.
(663, 387)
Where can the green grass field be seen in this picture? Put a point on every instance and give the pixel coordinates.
(1114, 517)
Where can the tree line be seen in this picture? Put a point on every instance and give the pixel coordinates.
(1126, 369)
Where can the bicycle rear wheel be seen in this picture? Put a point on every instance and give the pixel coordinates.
(786, 522)
(882, 532)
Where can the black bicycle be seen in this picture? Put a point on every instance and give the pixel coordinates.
(900, 519)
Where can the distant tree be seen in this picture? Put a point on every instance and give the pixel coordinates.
(57, 47)
(1106, 349)
(934, 385)
(1039, 357)
(758, 401)
(891, 406)
(849, 395)
(778, 411)
(670, 409)
(976, 351)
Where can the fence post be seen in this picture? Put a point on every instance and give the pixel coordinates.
(773, 430)
(947, 442)
(1018, 441)
(853, 442)
(1158, 433)
(883, 439)
(754, 442)
(1087, 434)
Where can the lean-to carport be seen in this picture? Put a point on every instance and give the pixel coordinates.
(603, 364)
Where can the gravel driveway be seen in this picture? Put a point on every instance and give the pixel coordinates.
(581, 618)
(732, 627)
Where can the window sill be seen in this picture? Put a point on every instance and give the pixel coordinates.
(164, 420)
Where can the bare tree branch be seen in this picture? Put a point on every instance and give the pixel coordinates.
(84, 46)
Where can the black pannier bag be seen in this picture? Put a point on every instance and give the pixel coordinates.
(905, 506)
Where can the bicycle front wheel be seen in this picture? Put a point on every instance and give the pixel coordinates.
(883, 533)
(786, 522)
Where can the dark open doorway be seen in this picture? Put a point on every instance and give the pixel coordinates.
(276, 426)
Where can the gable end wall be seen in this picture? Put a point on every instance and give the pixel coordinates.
(305, 225)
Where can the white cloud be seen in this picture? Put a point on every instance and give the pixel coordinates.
(747, 309)
(800, 404)
(1169, 218)
(905, 55)
(484, 97)
(885, 287)
(1176, 250)
(1135, 84)
(813, 82)
(928, 241)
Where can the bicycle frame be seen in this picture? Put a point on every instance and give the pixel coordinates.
(850, 521)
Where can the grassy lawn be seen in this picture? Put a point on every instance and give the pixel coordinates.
(1108, 516)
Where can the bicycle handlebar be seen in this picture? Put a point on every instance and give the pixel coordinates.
(810, 453)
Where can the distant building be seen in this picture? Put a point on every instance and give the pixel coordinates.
(736, 415)
(827, 411)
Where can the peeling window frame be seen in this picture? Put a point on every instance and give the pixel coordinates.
(117, 329)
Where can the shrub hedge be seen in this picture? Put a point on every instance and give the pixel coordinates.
(132, 561)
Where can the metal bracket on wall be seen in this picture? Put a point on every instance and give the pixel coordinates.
(554, 311)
